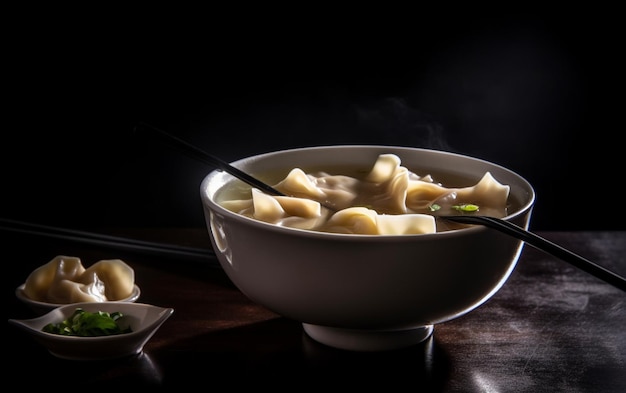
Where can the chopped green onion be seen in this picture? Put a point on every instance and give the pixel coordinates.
(466, 207)
(434, 207)
(87, 324)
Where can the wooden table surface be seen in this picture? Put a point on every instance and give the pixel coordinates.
(550, 328)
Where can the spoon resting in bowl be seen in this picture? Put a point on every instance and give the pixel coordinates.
(490, 222)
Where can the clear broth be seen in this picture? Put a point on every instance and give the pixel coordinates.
(237, 189)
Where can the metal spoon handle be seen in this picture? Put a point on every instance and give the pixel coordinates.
(202, 156)
(544, 245)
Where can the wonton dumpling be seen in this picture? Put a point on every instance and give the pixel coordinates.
(421, 194)
(384, 168)
(65, 280)
(300, 207)
(357, 220)
(384, 188)
(299, 184)
(389, 196)
(68, 291)
(266, 207)
(405, 224)
(289, 211)
(488, 191)
(238, 205)
(338, 190)
(117, 276)
(59, 268)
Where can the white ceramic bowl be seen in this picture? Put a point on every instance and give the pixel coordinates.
(44, 307)
(143, 319)
(365, 292)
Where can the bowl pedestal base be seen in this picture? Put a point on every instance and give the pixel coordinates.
(367, 340)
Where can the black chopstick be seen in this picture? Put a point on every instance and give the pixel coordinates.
(544, 245)
(203, 156)
(107, 240)
(206, 158)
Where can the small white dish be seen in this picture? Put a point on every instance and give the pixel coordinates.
(44, 307)
(144, 320)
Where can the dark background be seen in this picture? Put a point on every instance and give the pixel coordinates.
(540, 94)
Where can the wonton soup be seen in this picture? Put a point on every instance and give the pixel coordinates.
(385, 199)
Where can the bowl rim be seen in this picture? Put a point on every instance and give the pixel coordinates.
(524, 208)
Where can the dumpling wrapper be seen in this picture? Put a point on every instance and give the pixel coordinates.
(266, 207)
(488, 191)
(300, 207)
(117, 276)
(272, 208)
(421, 194)
(364, 221)
(389, 196)
(67, 291)
(40, 280)
(355, 220)
(319, 187)
(383, 169)
(241, 206)
(299, 184)
(405, 224)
